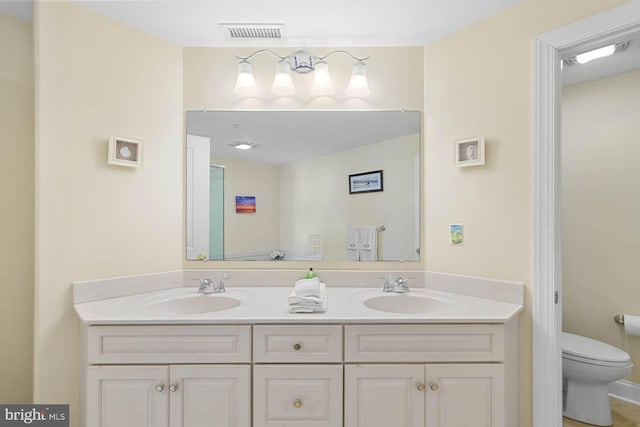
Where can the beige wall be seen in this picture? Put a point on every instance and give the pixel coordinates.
(16, 215)
(601, 207)
(95, 78)
(315, 199)
(248, 233)
(395, 78)
(480, 81)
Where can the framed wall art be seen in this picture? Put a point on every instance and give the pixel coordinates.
(366, 182)
(125, 152)
(470, 152)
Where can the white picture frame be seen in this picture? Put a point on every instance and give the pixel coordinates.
(469, 152)
(125, 152)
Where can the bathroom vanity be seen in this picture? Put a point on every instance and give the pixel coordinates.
(256, 365)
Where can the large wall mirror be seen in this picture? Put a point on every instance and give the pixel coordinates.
(303, 185)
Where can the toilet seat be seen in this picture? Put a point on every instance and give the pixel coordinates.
(586, 350)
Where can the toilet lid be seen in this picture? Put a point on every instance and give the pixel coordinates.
(579, 347)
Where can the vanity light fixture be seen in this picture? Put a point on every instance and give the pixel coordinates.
(302, 61)
(601, 52)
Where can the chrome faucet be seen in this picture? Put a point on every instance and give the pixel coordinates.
(399, 285)
(208, 286)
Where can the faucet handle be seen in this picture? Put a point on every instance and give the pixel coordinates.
(205, 285)
(220, 286)
(386, 287)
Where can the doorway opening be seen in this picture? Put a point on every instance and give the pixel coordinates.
(547, 312)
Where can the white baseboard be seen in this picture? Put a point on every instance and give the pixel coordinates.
(625, 390)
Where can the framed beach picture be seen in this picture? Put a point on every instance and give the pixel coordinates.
(366, 182)
(456, 234)
(125, 152)
(245, 204)
(470, 152)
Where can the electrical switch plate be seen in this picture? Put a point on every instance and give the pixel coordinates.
(315, 245)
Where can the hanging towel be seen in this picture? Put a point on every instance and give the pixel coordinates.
(353, 243)
(368, 243)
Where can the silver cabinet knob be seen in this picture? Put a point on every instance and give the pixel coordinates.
(159, 388)
(173, 387)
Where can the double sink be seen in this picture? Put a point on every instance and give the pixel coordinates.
(419, 301)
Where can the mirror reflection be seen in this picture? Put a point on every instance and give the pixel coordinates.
(303, 185)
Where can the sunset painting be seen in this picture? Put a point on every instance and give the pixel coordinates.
(245, 204)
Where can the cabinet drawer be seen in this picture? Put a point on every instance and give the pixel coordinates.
(299, 343)
(169, 344)
(297, 395)
(424, 343)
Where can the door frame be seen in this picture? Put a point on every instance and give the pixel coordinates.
(547, 275)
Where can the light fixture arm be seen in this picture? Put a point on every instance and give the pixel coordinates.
(302, 61)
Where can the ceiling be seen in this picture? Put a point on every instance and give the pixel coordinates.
(288, 136)
(326, 23)
(306, 23)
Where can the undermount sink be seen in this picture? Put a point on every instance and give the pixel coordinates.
(415, 302)
(194, 304)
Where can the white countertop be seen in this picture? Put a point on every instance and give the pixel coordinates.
(269, 305)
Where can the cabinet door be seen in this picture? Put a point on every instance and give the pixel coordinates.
(465, 395)
(383, 396)
(210, 396)
(297, 396)
(127, 396)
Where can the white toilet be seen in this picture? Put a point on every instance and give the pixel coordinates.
(588, 366)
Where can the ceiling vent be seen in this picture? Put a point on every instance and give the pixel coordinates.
(619, 47)
(253, 31)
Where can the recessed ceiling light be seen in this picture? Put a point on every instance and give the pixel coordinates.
(243, 144)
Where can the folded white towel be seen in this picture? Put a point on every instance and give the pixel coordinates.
(309, 304)
(296, 298)
(308, 287)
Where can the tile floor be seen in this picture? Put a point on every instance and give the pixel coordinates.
(624, 415)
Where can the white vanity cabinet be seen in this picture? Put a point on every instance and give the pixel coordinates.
(168, 396)
(167, 376)
(424, 395)
(304, 388)
(437, 393)
(301, 375)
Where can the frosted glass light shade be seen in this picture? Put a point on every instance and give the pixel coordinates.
(602, 52)
(322, 84)
(358, 85)
(245, 82)
(282, 83)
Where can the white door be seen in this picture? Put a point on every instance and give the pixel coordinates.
(210, 396)
(468, 395)
(197, 239)
(127, 396)
(383, 396)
